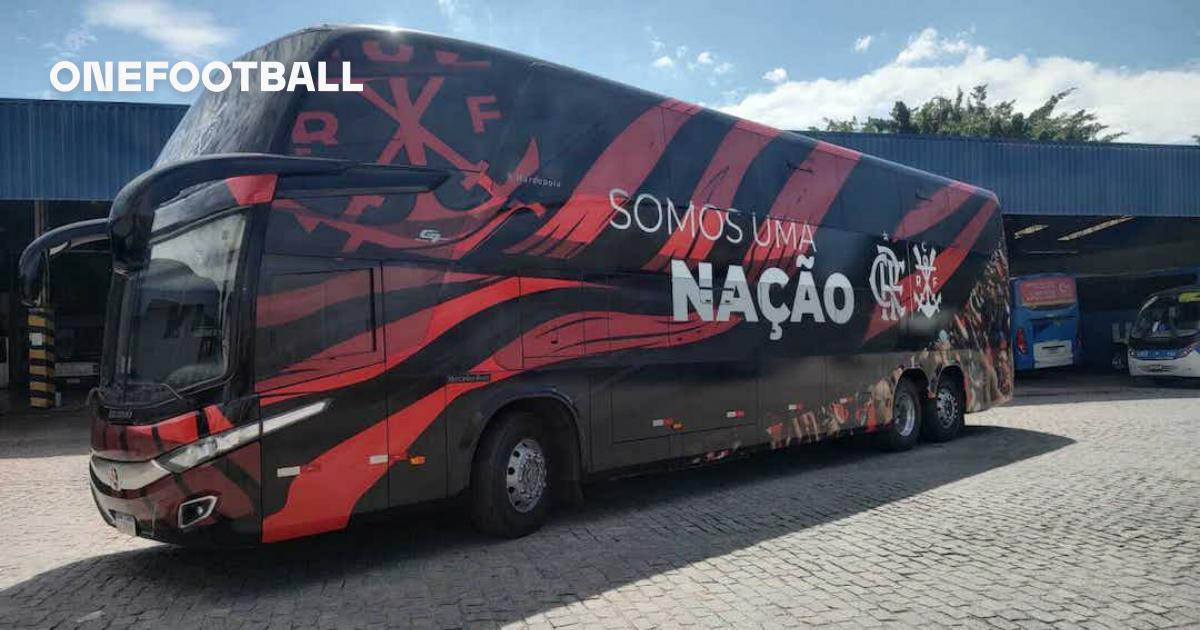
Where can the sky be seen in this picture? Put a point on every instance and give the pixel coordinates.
(789, 64)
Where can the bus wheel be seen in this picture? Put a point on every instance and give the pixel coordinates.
(944, 414)
(902, 433)
(510, 478)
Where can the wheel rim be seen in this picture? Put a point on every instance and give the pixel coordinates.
(525, 480)
(904, 412)
(947, 407)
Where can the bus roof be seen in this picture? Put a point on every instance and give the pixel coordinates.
(234, 121)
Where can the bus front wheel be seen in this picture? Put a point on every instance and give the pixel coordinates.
(510, 478)
(902, 433)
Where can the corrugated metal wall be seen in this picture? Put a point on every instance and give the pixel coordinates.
(78, 150)
(1052, 178)
(87, 150)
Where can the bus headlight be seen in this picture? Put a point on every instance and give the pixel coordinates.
(200, 451)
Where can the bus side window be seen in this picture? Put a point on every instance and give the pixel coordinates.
(412, 297)
(315, 323)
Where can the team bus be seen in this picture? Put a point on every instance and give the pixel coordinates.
(492, 277)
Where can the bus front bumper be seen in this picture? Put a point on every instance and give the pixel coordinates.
(215, 503)
(1187, 366)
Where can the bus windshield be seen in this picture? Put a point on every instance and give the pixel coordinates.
(1168, 317)
(174, 312)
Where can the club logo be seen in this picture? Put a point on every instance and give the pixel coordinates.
(928, 300)
(885, 283)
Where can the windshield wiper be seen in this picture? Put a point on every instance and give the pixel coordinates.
(172, 390)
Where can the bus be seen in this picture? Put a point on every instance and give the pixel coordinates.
(1109, 304)
(1165, 338)
(1045, 322)
(491, 277)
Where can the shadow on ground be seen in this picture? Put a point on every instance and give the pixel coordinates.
(433, 567)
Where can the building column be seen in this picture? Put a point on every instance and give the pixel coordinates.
(41, 357)
(40, 324)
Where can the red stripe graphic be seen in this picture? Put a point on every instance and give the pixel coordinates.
(805, 198)
(217, 421)
(288, 306)
(717, 187)
(462, 230)
(251, 189)
(324, 500)
(930, 212)
(624, 164)
(178, 430)
(436, 320)
(947, 262)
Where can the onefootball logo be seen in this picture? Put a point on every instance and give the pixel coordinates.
(185, 76)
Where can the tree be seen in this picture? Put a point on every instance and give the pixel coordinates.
(973, 116)
(1196, 138)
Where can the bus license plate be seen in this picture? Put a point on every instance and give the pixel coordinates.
(125, 523)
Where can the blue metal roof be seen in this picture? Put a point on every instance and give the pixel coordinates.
(78, 150)
(1052, 178)
(88, 150)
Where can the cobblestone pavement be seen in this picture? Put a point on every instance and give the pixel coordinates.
(1071, 507)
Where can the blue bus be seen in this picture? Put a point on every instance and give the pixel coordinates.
(1045, 322)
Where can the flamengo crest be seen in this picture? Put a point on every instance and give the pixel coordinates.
(885, 283)
(928, 300)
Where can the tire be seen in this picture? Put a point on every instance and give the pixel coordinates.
(510, 477)
(1120, 359)
(901, 434)
(944, 414)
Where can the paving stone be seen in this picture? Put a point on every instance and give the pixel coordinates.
(1067, 509)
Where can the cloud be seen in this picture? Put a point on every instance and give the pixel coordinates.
(926, 45)
(448, 8)
(862, 44)
(775, 75)
(1156, 105)
(73, 41)
(706, 65)
(469, 20)
(181, 31)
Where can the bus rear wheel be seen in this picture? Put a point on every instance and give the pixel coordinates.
(510, 478)
(944, 414)
(902, 433)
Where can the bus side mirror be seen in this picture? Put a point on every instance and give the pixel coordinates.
(32, 265)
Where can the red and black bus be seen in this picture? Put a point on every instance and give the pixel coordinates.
(490, 276)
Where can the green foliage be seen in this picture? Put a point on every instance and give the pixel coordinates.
(1196, 138)
(973, 116)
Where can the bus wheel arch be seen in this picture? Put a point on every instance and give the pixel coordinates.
(947, 406)
(544, 425)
